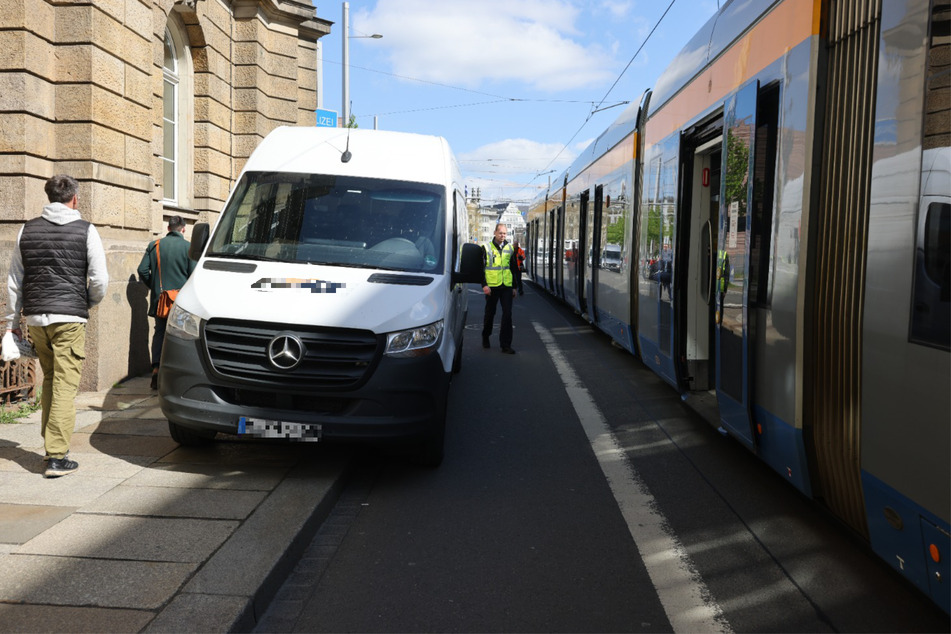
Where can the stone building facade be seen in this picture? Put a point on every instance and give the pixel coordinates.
(153, 106)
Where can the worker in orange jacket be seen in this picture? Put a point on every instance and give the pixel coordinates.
(520, 258)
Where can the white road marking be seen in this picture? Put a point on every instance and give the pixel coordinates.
(682, 592)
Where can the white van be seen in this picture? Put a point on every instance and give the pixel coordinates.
(611, 257)
(328, 303)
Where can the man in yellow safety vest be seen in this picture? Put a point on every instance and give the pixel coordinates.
(500, 279)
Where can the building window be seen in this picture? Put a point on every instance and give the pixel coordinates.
(178, 117)
(170, 119)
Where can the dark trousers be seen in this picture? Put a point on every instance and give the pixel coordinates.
(158, 338)
(503, 295)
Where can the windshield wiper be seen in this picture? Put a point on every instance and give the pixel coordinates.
(242, 256)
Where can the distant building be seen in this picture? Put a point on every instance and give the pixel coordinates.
(488, 217)
(474, 212)
(512, 217)
(483, 218)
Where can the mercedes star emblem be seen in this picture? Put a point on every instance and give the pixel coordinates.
(285, 351)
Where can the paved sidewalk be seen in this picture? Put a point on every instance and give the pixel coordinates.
(147, 535)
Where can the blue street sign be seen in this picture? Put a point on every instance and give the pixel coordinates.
(326, 118)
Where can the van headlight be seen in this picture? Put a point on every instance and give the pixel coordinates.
(416, 342)
(182, 324)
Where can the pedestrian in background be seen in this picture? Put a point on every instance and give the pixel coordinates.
(520, 260)
(165, 267)
(499, 281)
(57, 273)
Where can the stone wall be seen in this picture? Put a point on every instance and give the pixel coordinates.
(81, 92)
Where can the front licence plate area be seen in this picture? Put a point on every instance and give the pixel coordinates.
(263, 428)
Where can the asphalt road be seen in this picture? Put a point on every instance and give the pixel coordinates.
(580, 494)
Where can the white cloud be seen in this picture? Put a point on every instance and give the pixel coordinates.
(580, 146)
(461, 42)
(517, 156)
(494, 190)
(512, 168)
(618, 8)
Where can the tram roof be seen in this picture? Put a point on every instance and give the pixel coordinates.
(720, 31)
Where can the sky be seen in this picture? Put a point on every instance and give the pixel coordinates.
(518, 87)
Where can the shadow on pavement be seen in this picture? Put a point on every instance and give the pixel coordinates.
(147, 534)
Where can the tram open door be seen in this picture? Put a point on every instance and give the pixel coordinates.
(731, 280)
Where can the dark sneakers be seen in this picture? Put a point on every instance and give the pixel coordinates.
(60, 466)
(508, 351)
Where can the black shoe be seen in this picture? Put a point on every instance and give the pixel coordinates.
(485, 342)
(154, 383)
(60, 466)
(508, 351)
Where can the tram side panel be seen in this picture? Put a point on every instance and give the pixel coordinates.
(571, 263)
(535, 247)
(906, 368)
(777, 263)
(609, 265)
(745, 347)
(617, 262)
(657, 225)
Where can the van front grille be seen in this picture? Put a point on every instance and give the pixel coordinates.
(271, 400)
(331, 358)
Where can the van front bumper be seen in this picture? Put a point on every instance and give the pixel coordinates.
(402, 399)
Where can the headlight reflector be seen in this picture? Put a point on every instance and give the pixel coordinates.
(415, 342)
(183, 324)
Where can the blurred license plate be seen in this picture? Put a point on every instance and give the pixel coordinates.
(278, 429)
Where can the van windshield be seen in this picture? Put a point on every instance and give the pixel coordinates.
(334, 220)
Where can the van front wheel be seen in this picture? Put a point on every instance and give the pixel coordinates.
(457, 360)
(189, 437)
(430, 451)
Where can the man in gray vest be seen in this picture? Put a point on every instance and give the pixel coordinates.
(58, 272)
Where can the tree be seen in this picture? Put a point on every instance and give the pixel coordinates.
(615, 231)
(737, 170)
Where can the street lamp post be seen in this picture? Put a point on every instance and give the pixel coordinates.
(345, 106)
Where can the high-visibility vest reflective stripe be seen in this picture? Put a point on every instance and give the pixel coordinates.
(497, 271)
(722, 273)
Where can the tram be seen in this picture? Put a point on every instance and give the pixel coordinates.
(780, 208)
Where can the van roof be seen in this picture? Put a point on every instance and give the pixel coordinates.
(374, 154)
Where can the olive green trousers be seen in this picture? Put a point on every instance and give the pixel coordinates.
(61, 349)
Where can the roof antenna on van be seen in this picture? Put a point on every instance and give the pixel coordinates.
(346, 156)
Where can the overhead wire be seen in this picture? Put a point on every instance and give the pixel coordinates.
(499, 98)
(595, 108)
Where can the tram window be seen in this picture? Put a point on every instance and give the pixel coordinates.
(937, 233)
(764, 182)
(931, 307)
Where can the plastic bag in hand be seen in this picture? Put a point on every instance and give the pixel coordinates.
(15, 347)
(25, 347)
(10, 350)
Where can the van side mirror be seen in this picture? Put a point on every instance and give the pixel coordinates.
(200, 233)
(471, 265)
